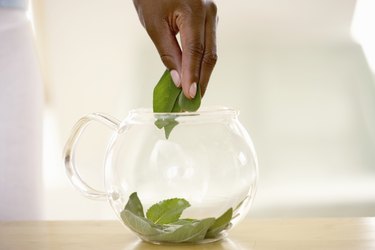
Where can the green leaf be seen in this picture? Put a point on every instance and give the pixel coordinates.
(168, 98)
(176, 108)
(134, 218)
(160, 123)
(167, 123)
(220, 224)
(190, 105)
(170, 228)
(134, 205)
(190, 232)
(165, 94)
(167, 211)
(140, 225)
(184, 221)
(169, 127)
(165, 100)
(241, 202)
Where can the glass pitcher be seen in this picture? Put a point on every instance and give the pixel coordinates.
(174, 177)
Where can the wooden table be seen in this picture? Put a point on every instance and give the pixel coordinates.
(306, 234)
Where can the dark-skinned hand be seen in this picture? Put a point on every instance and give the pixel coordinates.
(196, 21)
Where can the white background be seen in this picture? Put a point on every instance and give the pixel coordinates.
(303, 86)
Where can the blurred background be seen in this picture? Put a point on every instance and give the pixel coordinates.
(301, 73)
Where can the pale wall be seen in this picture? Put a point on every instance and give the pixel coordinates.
(303, 87)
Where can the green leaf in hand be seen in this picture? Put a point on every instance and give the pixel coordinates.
(165, 100)
(165, 94)
(167, 211)
(220, 224)
(167, 123)
(177, 107)
(190, 105)
(168, 98)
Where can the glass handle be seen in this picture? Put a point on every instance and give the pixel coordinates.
(69, 153)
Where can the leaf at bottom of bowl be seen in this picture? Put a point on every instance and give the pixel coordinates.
(134, 205)
(220, 224)
(163, 223)
(138, 224)
(189, 232)
(167, 211)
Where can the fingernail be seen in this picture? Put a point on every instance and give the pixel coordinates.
(176, 78)
(193, 90)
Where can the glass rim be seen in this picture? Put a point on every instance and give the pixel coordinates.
(209, 110)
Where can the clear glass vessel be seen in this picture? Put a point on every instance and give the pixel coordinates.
(206, 158)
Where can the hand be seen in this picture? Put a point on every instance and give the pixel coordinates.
(196, 20)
